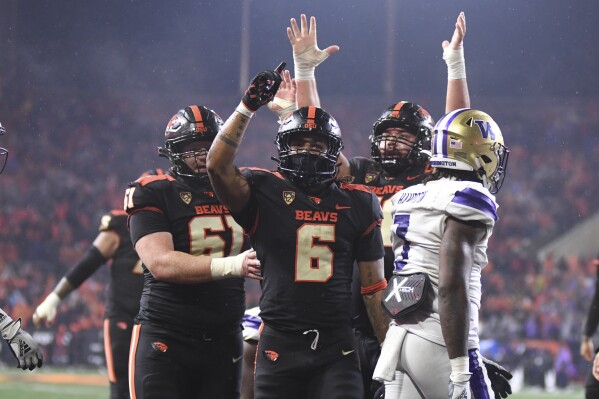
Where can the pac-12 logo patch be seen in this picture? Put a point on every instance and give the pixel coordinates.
(288, 197)
(186, 197)
(159, 346)
(370, 177)
(271, 355)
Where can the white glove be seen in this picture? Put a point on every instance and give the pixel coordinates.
(22, 345)
(459, 386)
(46, 311)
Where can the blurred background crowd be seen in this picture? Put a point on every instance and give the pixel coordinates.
(80, 127)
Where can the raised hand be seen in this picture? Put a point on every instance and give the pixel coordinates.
(453, 52)
(457, 40)
(306, 54)
(263, 88)
(284, 102)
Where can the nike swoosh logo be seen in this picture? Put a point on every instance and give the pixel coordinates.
(345, 353)
(236, 359)
(338, 207)
(412, 177)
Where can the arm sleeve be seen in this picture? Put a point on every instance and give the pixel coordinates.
(89, 263)
(370, 244)
(146, 212)
(247, 218)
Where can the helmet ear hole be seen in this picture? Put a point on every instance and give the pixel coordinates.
(485, 158)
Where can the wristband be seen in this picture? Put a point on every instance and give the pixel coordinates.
(374, 288)
(231, 266)
(242, 109)
(303, 73)
(456, 64)
(460, 365)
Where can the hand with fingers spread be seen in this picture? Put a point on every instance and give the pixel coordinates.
(453, 52)
(261, 91)
(284, 102)
(306, 54)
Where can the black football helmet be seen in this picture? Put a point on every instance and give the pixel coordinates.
(412, 118)
(192, 124)
(3, 151)
(304, 167)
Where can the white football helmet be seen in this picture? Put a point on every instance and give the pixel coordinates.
(468, 139)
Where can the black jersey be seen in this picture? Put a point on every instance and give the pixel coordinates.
(307, 246)
(126, 279)
(384, 186)
(200, 225)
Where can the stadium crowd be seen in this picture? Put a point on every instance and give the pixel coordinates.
(70, 161)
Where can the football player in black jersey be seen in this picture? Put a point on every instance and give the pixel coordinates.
(587, 350)
(21, 344)
(307, 231)
(187, 340)
(124, 291)
(400, 148)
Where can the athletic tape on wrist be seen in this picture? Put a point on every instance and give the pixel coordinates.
(456, 64)
(305, 73)
(230, 266)
(242, 109)
(285, 107)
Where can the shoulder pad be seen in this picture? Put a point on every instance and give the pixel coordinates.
(149, 179)
(352, 187)
(470, 203)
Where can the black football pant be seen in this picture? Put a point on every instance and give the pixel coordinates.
(165, 364)
(591, 385)
(307, 365)
(369, 351)
(117, 339)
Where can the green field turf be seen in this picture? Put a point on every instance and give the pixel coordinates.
(58, 384)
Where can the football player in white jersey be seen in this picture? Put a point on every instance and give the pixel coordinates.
(440, 232)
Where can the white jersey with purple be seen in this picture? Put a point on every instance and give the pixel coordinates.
(419, 218)
(251, 324)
